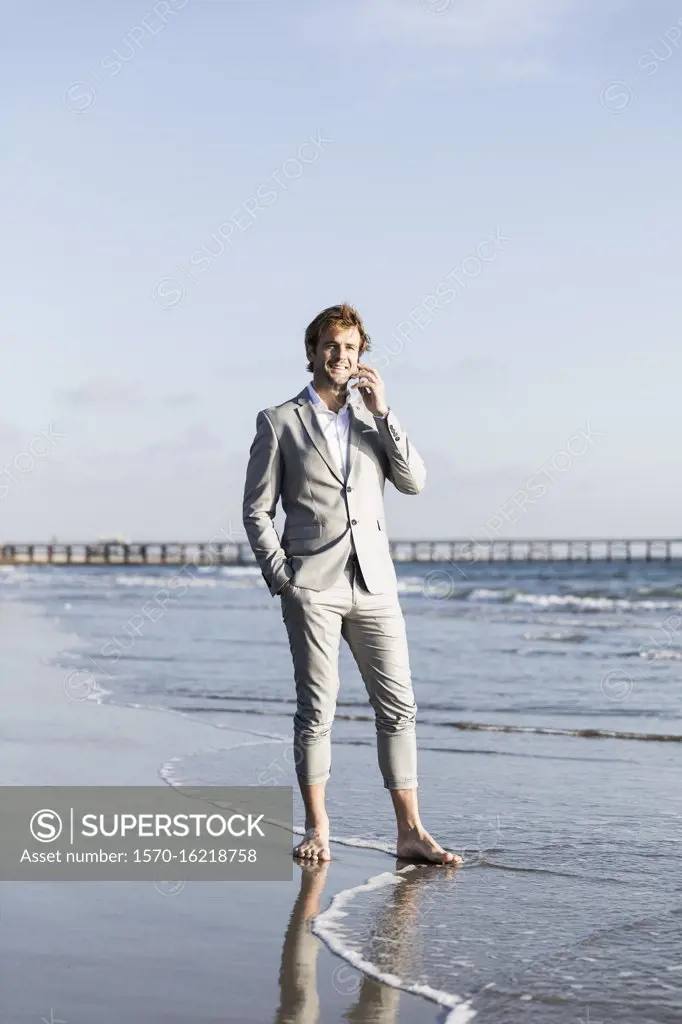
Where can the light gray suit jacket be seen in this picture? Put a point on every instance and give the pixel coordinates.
(290, 458)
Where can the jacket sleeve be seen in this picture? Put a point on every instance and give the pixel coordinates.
(261, 493)
(406, 470)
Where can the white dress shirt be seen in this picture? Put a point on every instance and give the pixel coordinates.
(335, 425)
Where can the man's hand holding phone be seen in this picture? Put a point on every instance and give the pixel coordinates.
(372, 389)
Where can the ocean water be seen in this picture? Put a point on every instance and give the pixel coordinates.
(550, 737)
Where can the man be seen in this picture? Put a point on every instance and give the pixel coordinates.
(327, 454)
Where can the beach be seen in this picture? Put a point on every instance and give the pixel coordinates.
(292, 282)
(136, 951)
(548, 727)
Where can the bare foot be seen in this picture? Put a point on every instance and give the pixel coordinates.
(314, 845)
(417, 844)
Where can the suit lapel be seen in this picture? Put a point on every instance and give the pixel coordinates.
(355, 429)
(356, 426)
(315, 432)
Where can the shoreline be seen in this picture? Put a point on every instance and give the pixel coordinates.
(207, 952)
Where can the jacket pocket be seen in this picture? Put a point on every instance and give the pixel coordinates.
(302, 531)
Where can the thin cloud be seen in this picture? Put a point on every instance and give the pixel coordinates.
(179, 399)
(491, 40)
(194, 442)
(519, 69)
(99, 391)
(466, 24)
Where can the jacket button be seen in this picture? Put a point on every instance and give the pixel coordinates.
(353, 522)
(349, 488)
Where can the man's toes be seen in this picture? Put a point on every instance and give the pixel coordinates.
(311, 852)
(452, 858)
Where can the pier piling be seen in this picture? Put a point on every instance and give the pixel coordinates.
(430, 551)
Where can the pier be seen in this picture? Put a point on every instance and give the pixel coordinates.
(437, 551)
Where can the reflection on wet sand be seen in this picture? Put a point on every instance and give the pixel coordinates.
(393, 940)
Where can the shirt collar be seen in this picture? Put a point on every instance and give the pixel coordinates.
(353, 399)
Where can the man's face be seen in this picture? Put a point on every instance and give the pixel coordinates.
(337, 355)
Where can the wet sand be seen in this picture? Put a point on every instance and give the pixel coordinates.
(172, 952)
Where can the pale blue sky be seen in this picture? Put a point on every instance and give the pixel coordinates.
(133, 131)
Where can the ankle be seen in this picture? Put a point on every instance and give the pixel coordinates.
(320, 820)
(410, 829)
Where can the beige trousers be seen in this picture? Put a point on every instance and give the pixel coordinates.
(374, 628)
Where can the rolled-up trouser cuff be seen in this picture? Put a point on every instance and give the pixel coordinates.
(312, 781)
(404, 784)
